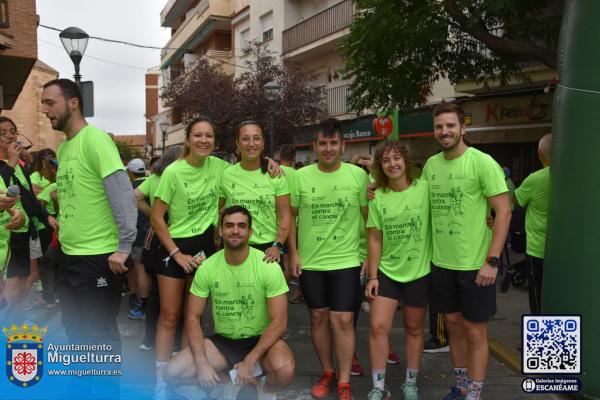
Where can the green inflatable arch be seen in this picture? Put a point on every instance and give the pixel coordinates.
(572, 262)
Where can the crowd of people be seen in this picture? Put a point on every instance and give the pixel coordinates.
(192, 227)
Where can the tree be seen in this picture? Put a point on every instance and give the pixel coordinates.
(206, 90)
(126, 151)
(397, 50)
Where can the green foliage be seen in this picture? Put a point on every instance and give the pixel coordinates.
(127, 151)
(397, 50)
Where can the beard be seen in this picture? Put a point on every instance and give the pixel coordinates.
(451, 146)
(234, 245)
(61, 122)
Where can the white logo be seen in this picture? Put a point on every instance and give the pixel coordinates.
(528, 385)
(101, 282)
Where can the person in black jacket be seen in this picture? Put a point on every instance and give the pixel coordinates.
(24, 243)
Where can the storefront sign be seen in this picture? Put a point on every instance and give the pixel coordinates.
(510, 110)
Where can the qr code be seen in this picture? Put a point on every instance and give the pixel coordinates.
(551, 344)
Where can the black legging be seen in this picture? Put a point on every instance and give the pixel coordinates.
(534, 279)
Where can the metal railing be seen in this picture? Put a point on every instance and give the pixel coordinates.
(196, 11)
(323, 24)
(336, 100)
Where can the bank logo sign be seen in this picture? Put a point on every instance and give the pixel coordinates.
(24, 354)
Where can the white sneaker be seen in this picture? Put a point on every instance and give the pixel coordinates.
(143, 347)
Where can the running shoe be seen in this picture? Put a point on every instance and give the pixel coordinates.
(344, 392)
(161, 391)
(296, 297)
(136, 313)
(393, 358)
(143, 347)
(409, 391)
(432, 347)
(378, 394)
(357, 369)
(455, 394)
(323, 388)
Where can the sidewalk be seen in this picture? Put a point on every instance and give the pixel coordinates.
(435, 377)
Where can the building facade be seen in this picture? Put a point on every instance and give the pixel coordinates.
(199, 29)
(18, 48)
(26, 112)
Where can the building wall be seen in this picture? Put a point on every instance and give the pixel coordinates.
(152, 103)
(23, 21)
(27, 111)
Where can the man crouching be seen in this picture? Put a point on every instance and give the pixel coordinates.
(249, 308)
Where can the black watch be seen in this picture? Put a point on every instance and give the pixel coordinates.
(279, 245)
(493, 261)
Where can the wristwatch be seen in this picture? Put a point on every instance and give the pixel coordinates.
(493, 261)
(279, 245)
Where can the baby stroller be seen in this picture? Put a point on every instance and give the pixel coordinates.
(517, 273)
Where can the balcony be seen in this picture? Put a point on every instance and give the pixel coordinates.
(335, 100)
(326, 27)
(200, 21)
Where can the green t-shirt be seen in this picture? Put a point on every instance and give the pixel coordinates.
(87, 225)
(192, 194)
(534, 193)
(459, 190)
(329, 213)
(4, 233)
(290, 176)
(404, 220)
(149, 186)
(44, 195)
(257, 192)
(38, 179)
(239, 293)
(21, 177)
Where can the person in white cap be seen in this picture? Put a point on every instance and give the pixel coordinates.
(136, 169)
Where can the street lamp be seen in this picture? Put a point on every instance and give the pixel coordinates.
(272, 90)
(164, 127)
(75, 41)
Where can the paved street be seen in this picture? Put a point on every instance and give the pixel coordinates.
(434, 379)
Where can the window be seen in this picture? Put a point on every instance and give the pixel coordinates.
(4, 14)
(244, 38)
(267, 26)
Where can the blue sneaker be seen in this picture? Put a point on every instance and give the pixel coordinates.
(136, 314)
(455, 394)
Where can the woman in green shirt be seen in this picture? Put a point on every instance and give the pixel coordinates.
(248, 184)
(188, 192)
(399, 256)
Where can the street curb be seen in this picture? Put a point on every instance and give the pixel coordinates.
(505, 355)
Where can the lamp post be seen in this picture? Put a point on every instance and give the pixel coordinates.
(75, 41)
(272, 90)
(164, 127)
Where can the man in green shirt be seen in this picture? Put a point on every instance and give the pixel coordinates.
(534, 193)
(329, 200)
(249, 308)
(464, 183)
(97, 220)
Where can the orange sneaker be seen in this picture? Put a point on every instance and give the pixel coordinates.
(325, 385)
(344, 392)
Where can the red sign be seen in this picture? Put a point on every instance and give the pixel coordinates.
(383, 125)
(534, 111)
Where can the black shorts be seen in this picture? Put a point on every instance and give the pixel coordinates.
(234, 350)
(455, 291)
(413, 294)
(190, 246)
(338, 290)
(19, 258)
(90, 272)
(45, 238)
(150, 255)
